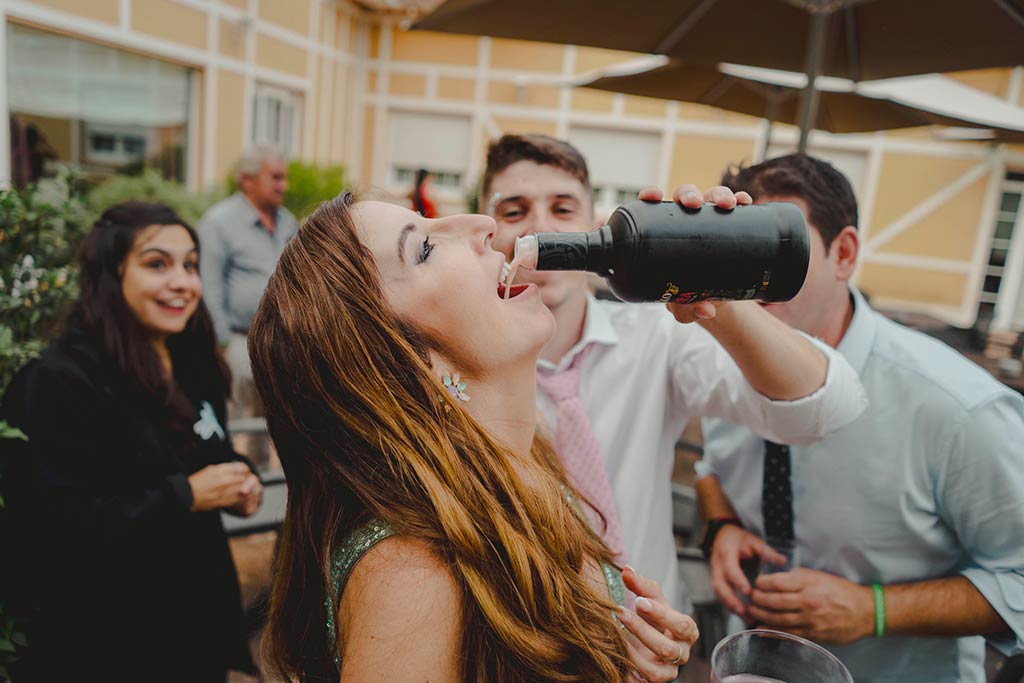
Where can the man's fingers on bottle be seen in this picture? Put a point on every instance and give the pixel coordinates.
(688, 195)
(721, 196)
(704, 310)
(651, 193)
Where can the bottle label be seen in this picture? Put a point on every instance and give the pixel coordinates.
(673, 295)
(711, 294)
(671, 292)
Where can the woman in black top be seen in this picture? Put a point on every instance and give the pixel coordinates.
(115, 499)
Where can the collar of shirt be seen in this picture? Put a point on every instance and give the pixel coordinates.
(254, 215)
(860, 335)
(597, 329)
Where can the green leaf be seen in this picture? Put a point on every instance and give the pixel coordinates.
(6, 645)
(9, 432)
(4, 675)
(20, 639)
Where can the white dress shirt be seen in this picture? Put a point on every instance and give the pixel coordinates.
(928, 483)
(646, 376)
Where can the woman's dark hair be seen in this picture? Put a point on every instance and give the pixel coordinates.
(102, 312)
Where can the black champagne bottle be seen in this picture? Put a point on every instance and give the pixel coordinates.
(661, 251)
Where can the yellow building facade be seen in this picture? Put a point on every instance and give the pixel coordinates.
(334, 82)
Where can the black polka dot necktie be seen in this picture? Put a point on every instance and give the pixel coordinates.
(777, 495)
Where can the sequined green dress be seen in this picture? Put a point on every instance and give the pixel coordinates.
(360, 541)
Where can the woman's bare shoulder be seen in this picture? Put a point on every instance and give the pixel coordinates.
(400, 615)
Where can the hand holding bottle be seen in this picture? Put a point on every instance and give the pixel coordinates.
(690, 196)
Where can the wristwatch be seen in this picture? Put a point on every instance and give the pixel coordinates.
(711, 531)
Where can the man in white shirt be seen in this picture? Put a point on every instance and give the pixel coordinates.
(908, 524)
(643, 375)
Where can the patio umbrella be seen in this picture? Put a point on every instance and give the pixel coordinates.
(844, 106)
(855, 39)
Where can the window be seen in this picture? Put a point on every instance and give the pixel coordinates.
(274, 117)
(1001, 295)
(118, 146)
(1006, 218)
(621, 163)
(92, 107)
(437, 142)
(406, 175)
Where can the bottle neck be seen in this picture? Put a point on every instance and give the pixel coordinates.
(590, 251)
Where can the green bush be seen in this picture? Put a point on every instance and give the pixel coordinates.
(151, 186)
(40, 228)
(308, 185)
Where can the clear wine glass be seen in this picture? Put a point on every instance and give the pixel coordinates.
(763, 656)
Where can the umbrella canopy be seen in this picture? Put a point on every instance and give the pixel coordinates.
(863, 39)
(844, 106)
(854, 39)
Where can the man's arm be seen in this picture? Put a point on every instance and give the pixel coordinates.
(775, 360)
(925, 608)
(213, 272)
(981, 496)
(980, 492)
(788, 388)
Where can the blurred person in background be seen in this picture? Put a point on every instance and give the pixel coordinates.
(420, 195)
(242, 237)
(638, 375)
(115, 499)
(907, 526)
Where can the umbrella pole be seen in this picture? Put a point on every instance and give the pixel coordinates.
(771, 113)
(809, 99)
(767, 142)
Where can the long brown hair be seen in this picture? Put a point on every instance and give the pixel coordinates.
(364, 428)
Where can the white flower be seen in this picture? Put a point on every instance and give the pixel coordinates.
(32, 284)
(28, 261)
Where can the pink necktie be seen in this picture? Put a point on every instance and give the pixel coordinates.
(580, 453)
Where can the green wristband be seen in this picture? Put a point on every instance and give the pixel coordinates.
(879, 610)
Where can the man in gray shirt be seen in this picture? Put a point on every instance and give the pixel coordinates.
(241, 239)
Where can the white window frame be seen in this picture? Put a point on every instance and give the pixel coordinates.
(278, 128)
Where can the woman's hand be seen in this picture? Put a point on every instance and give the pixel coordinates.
(220, 486)
(660, 637)
(252, 496)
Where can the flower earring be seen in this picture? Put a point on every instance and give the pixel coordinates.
(455, 386)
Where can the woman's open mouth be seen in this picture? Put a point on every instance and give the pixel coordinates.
(513, 291)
